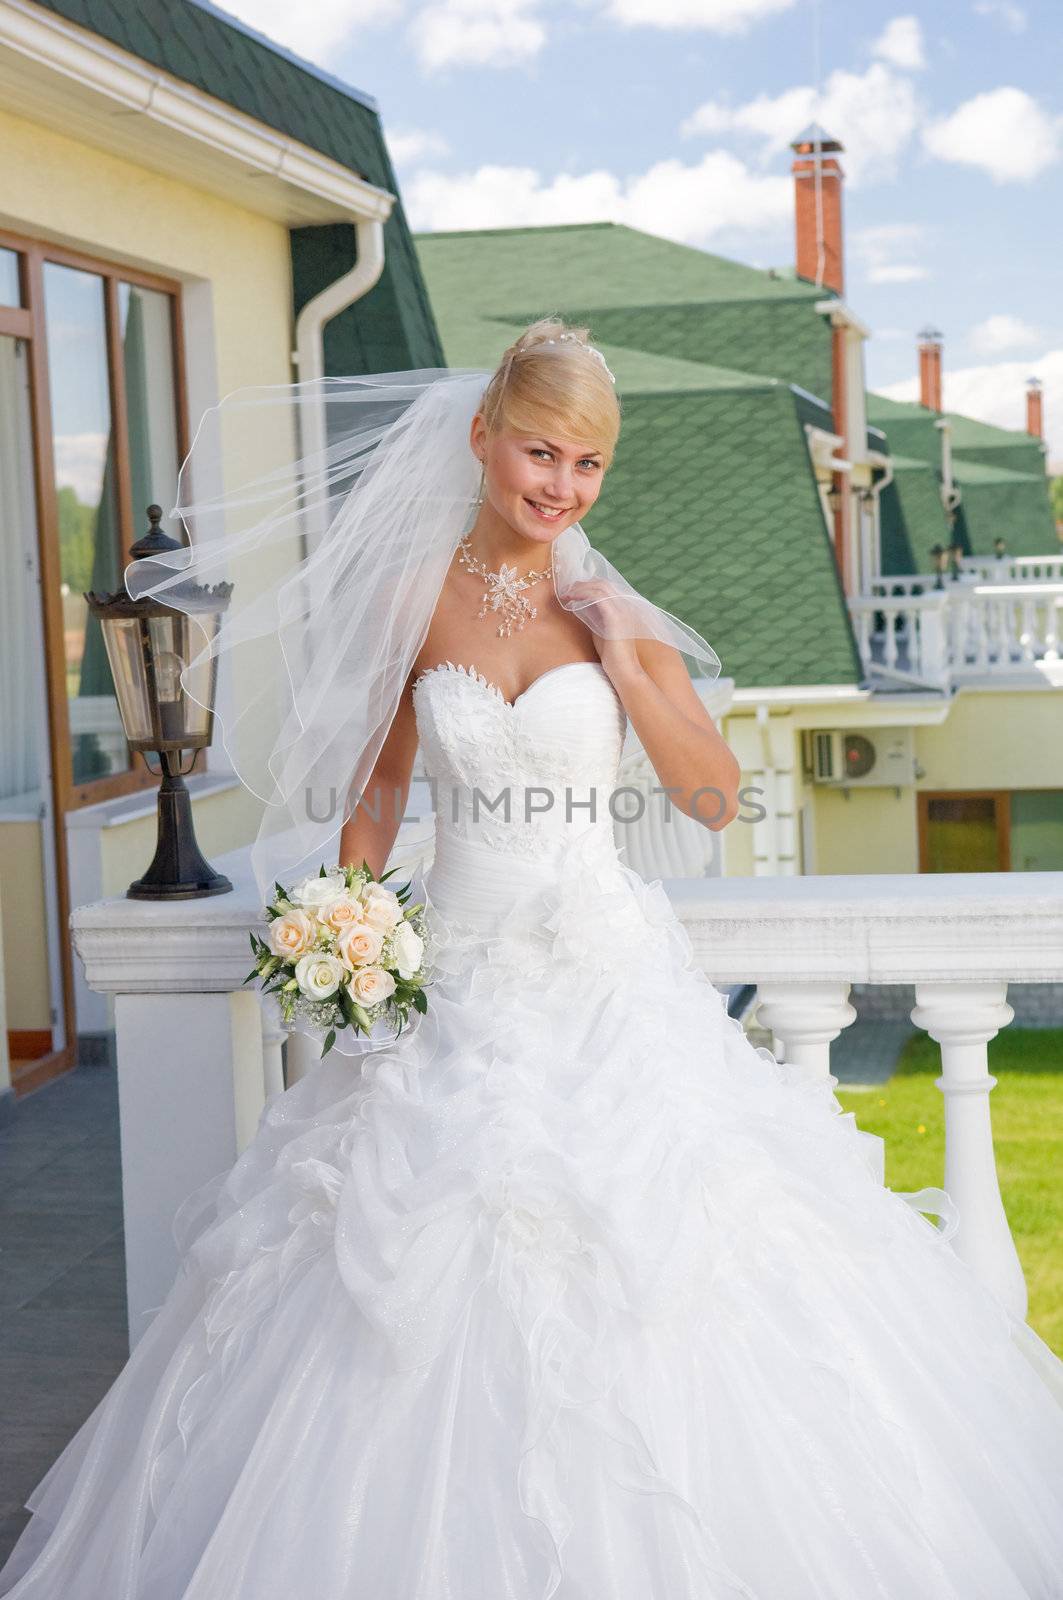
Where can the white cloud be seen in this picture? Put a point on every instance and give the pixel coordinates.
(479, 33)
(689, 203)
(901, 44)
(874, 114)
(898, 272)
(313, 31)
(715, 16)
(414, 144)
(995, 392)
(1012, 16)
(999, 334)
(875, 250)
(1004, 132)
(79, 464)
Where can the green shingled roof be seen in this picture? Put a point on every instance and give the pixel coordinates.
(999, 472)
(710, 505)
(392, 326)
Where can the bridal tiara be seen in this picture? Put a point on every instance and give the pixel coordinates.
(572, 338)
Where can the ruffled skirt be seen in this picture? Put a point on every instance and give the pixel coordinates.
(573, 1293)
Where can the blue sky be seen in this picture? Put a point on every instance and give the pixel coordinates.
(674, 116)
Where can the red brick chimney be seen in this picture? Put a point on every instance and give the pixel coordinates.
(818, 209)
(930, 369)
(1035, 408)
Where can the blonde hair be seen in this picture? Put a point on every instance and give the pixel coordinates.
(552, 381)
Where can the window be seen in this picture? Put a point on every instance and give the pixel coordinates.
(110, 435)
(1018, 830)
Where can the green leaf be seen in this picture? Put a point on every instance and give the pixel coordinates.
(420, 1001)
(330, 1040)
(321, 871)
(361, 1017)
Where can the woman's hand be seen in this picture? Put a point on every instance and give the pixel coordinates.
(608, 616)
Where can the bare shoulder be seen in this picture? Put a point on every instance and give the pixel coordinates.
(666, 667)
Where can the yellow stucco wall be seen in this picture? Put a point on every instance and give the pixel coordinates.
(236, 270)
(28, 1001)
(990, 739)
(59, 189)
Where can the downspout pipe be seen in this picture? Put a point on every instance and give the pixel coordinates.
(309, 352)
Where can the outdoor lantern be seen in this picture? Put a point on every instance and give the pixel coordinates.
(149, 645)
(940, 554)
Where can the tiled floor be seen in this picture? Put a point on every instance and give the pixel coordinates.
(62, 1275)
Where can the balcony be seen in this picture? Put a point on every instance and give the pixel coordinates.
(996, 622)
(197, 1062)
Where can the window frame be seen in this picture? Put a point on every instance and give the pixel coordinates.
(28, 322)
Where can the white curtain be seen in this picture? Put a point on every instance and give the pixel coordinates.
(20, 612)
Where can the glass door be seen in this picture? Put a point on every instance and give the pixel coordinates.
(30, 900)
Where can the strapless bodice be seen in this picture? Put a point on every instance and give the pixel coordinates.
(514, 784)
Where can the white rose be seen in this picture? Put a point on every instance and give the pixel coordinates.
(292, 935)
(317, 894)
(383, 909)
(319, 976)
(407, 948)
(359, 945)
(371, 984)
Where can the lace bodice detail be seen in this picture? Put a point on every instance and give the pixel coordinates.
(521, 777)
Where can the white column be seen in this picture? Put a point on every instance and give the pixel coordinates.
(189, 1097)
(963, 1017)
(806, 1017)
(191, 1085)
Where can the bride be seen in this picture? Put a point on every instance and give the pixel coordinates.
(570, 1291)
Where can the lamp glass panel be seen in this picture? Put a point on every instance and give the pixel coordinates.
(10, 294)
(122, 638)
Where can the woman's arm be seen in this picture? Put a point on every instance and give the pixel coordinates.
(694, 762)
(369, 832)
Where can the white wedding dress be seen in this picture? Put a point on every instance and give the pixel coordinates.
(570, 1292)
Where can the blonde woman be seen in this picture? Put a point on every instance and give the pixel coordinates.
(570, 1291)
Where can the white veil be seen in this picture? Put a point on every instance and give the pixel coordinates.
(337, 551)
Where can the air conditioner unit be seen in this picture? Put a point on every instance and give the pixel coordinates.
(863, 757)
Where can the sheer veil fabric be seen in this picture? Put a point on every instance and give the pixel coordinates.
(338, 552)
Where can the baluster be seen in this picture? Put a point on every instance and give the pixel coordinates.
(962, 1018)
(806, 1017)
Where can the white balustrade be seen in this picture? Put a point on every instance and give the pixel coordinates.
(962, 631)
(195, 1065)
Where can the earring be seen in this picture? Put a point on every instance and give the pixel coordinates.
(482, 495)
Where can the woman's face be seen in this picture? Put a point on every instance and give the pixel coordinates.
(539, 484)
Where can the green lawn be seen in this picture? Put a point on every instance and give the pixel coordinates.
(1027, 1112)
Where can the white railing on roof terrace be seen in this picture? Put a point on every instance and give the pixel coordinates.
(196, 1066)
(961, 632)
(1014, 569)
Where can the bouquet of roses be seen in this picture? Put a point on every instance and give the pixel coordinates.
(343, 951)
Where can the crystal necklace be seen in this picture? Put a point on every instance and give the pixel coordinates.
(503, 591)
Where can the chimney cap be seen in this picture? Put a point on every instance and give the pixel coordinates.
(815, 140)
(930, 335)
(1034, 385)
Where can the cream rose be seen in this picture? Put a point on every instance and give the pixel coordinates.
(371, 984)
(382, 907)
(292, 935)
(407, 948)
(317, 894)
(341, 914)
(319, 976)
(359, 945)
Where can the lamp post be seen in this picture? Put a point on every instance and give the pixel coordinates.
(149, 646)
